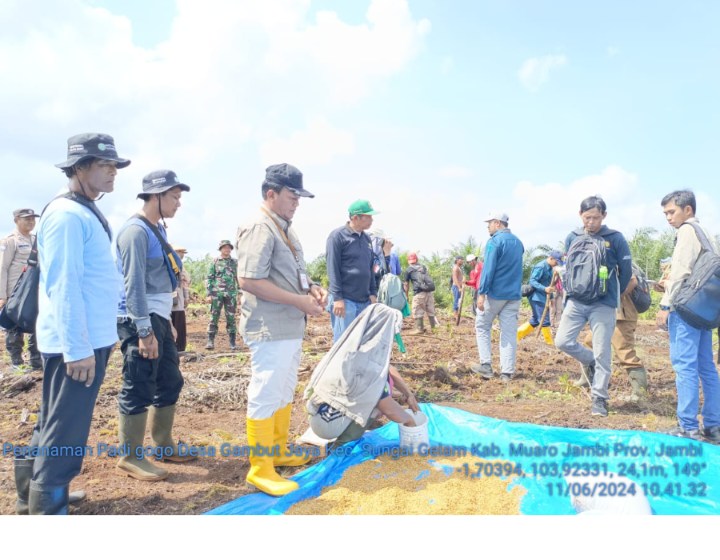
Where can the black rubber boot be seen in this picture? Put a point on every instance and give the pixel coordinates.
(14, 345)
(231, 337)
(23, 475)
(51, 501)
(36, 361)
(210, 342)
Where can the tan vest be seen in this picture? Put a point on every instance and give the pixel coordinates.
(14, 252)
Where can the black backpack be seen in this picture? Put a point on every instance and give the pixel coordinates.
(586, 257)
(697, 300)
(422, 280)
(640, 295)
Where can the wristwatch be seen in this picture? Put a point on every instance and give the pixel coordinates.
(144, 332)
(665, 308)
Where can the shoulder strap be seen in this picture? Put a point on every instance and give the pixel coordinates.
(164, 244)
(704, 241)
(89, 204)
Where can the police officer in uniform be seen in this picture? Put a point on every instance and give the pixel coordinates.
(14, 253)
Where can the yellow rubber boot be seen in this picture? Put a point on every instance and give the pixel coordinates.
(547, 335)
(282, 427)
(262, 473)
(524, 330)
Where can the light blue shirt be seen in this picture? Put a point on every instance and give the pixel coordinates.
(78, 283)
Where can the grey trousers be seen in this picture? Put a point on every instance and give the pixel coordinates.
(507, 312)
(602, 324)
(63, 424)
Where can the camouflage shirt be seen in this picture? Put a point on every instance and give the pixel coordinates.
(222, 277)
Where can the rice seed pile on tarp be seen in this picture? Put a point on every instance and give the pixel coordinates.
(413, 485)
(679, 476)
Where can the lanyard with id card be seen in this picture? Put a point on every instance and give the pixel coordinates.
(303, 280)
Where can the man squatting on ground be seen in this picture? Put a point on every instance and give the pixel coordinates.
(151, 367)
(14, 252)
(277, 297)
(76, 322)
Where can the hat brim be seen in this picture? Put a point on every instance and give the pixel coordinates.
(73, 161)
(370, 213)
(164, 188)
(300, 192)
(226, 245)
(28, 216)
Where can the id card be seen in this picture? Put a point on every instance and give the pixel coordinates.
(303, 281)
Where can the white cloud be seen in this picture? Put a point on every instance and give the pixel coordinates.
(318, 144)
(548, 212)
(236, 85)
(535, 72)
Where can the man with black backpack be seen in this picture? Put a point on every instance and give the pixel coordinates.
(690, 345)
(423, 297)
(151, 368)
(597, 270)
(76, 323)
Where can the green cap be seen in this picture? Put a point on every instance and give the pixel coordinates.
(361, 207)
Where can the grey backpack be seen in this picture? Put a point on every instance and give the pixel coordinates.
(585, 256)
(390, 292)
(697, 300)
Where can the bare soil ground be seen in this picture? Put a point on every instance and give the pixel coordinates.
(211, 407)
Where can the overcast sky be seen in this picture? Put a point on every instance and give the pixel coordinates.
(435, 111)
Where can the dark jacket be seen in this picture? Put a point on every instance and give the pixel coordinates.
(350, 265)
(502, 272)
(540, 279)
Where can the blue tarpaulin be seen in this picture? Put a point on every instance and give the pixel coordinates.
(678, 476)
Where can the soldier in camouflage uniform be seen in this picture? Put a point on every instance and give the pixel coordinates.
(14, 253)
(222, 290)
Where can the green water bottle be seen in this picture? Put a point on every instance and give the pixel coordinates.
(603, 275)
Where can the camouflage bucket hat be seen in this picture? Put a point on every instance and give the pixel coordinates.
(225, 242)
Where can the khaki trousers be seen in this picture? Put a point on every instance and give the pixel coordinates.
(422, 303)
(623, 343)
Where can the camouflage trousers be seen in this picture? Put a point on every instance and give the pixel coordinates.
(229, 301)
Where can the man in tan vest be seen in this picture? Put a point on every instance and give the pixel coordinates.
(14, 253)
